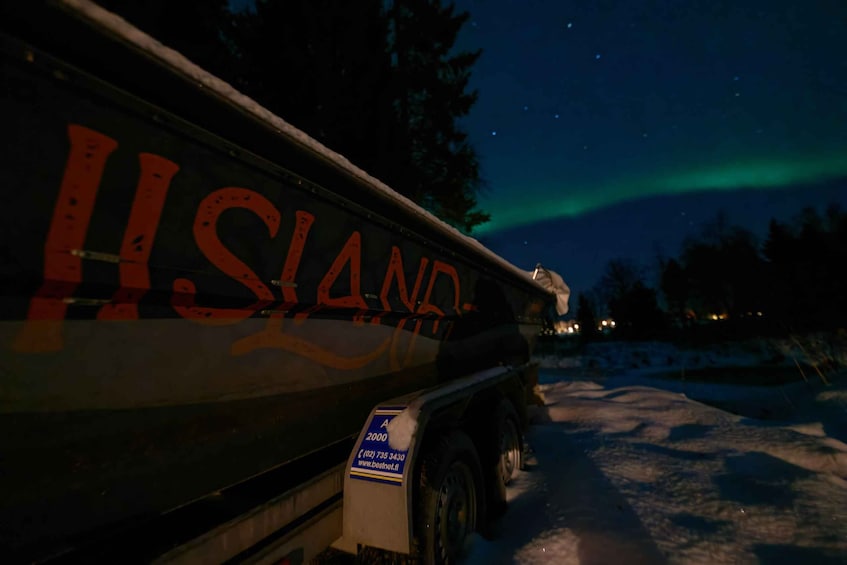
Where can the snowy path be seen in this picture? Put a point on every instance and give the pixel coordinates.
(625, 473)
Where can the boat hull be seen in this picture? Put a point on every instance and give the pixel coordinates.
(186, 303)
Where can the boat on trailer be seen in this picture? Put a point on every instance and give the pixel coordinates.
(193, 291)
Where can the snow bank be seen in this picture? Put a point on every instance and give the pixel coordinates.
(617, 357)
(625, 472)
(826, 352)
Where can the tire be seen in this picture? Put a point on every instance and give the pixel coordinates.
(450, 499)
(509, 442)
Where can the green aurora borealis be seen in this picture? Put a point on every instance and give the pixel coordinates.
(586, 105)
(615, 129)
(761, 174)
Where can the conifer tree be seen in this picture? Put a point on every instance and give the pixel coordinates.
(435, 165)
(195, 28)
(378, 82)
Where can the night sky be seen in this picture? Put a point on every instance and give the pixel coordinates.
(614, 128)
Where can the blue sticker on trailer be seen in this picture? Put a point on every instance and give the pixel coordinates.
(376, 460)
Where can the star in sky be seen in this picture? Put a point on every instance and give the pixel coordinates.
(705, 96)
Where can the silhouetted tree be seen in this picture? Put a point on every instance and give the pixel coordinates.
(618, 278)
(636, 313)
(379, 82)
(805, 269)
(631, 303)
(781, 251)
(435, 165)
(586, 318)
(322, 65)
(815, 271)
(674, 286)
(837, 224)
(723, 271)
(196, 28)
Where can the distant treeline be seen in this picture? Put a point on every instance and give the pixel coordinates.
(725, 283)
(378, 82)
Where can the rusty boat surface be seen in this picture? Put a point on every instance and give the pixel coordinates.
(194, 292)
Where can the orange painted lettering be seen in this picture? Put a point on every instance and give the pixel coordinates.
(272, 337)
(302, 224)
(153, 184)
(395, 271)
(306, 349)
(206, 236)
(89, 151)
(269, 337)
(439, 267)
(351, 253)
(396, 365)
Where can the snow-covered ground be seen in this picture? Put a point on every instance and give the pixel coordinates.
(613, 358)
(628, 467)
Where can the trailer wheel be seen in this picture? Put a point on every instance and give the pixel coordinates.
(509, 438)
(450, 499)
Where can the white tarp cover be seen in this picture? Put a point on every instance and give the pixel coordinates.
(553, 282)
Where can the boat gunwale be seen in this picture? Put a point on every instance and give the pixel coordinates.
(176, 64)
